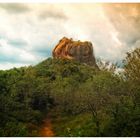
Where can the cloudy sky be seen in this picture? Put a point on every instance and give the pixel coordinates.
(29, 32)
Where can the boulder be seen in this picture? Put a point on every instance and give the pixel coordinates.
(75, 50)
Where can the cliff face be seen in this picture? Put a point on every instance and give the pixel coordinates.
(75, 50)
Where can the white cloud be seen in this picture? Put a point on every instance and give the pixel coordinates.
(38, 28)
(6, 65)
(16, 54)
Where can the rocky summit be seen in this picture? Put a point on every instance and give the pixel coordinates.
(75, 50)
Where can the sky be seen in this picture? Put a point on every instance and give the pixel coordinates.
(30, 31)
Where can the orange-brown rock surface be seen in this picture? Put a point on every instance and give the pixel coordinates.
(75, 50)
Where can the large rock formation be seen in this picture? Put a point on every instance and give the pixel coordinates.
(75, 50)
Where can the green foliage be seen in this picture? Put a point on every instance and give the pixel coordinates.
(14, 129)
(132, 65)
(90, 102)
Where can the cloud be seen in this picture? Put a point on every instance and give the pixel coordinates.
(10, 53)
(89, 22)
(42, 51)
(14, 8)
(8, 65)
(24, 39)
(56, 14)
(17, 43)
(126, 19)
(29, 37)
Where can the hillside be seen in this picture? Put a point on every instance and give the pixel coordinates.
(79, 100)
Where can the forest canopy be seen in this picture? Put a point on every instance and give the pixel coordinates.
(92, 102)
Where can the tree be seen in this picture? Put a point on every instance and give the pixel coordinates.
(132, 66)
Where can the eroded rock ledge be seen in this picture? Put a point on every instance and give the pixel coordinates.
(75, 50)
